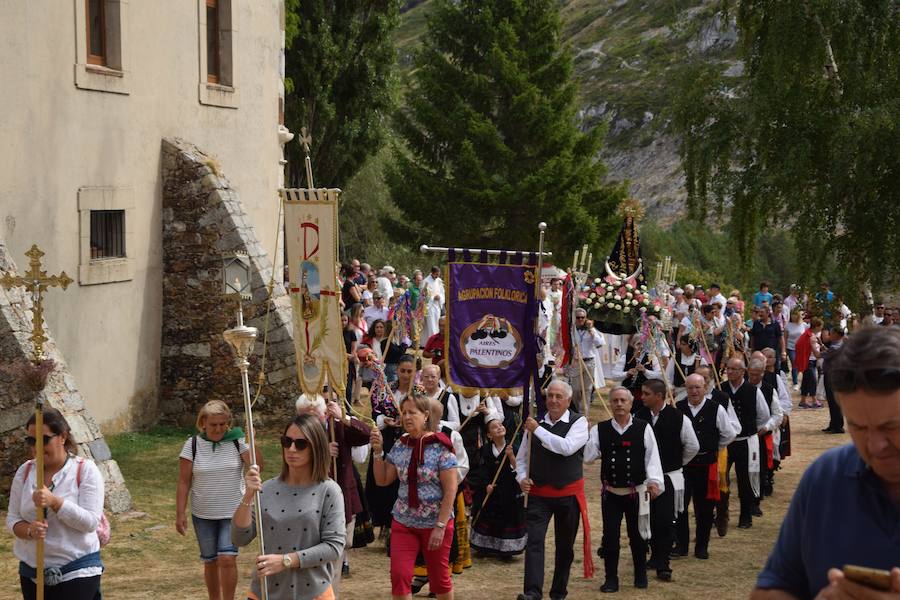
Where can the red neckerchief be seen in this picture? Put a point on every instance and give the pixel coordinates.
(418, 454)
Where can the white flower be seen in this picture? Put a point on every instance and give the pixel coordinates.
(646, 301)
(596, 305)
(643, 288)
(634, 302)
(609, 294)
(597, 280)
(610, 305)
(643, 309)
(592, 296)
(628, 294)
(626, 309)
(618, 307)
(628, 286)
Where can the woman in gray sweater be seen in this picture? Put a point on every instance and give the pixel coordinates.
(303, 518)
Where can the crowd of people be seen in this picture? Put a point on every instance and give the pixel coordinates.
(456, 475)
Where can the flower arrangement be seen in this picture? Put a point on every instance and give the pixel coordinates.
(618, 300)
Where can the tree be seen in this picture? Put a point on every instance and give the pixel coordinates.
(809, 136)
(490, 140)
(339, 65)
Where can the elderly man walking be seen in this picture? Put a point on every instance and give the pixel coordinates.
(554, 483)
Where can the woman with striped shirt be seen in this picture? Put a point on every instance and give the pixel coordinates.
(211, 467)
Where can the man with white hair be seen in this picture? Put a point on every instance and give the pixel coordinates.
(554, 484)
(349, 433)
(580, 371)
(385, 283)
(753, 415)
(632, 475)
(431, 381)
(701, 475)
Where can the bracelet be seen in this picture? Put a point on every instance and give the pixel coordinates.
(379, 456)
(247, 504)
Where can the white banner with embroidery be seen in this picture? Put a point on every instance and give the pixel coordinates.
(311, 237)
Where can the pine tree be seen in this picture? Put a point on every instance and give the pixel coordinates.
(339, 66)
(491, 143)
(808, 137)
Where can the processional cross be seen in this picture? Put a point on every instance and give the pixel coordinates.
(37, 282)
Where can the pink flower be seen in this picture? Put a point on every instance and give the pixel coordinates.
(622, 291)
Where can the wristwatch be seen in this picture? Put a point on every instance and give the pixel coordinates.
(287, 561)
(439, 525)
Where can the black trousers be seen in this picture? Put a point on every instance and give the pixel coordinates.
(82, 588)
(739, 456)
(836, 415)
(566, 515)
(695, 488)
(614, 507)
(662, 524)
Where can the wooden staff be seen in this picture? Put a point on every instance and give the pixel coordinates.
(712, 359)
(542, 227)
(496, 475)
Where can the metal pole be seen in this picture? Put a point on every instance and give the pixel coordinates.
(443, 250)
(39, 483)
(542, 227)
(242, 338)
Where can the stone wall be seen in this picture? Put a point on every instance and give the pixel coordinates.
(61, 393)
(203, 219)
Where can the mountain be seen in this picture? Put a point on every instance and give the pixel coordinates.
(626, 54)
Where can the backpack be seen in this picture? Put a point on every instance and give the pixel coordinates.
(103, 528)
(237, 446)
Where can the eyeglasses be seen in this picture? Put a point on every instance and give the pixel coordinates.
(300, 444)
(876, 380)
(580, 318)
(31, 440)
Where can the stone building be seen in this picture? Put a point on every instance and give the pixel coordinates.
(90, 90)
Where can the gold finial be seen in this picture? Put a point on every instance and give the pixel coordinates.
(37, 282)
(633, 208)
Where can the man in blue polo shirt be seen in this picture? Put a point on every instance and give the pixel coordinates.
(846, 509)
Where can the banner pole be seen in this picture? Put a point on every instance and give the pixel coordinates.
(542, 227)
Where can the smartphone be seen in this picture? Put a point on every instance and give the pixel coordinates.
(874, 578)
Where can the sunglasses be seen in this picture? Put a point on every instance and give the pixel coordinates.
(31, 440)
(300, 444)
(876, 380)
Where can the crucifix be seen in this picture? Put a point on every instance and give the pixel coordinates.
(306, 140)
(37, 282)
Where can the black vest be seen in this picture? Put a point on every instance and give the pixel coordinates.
(771, 378)
(667, 430)
(622, 456)
(678, 380)
(444, 399)
(744, 401)
(706, 427)
(635, 382)
(768, 392)
(550, 468)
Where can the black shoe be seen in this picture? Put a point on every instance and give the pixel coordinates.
(651, 563)
(756, 512)
(745, 524)
(610, 585)
(345, 570)
(640, 581)
(722, 519)
(828, 430)
(418, 583)
(836, 431)
(664, 575)
(701, 553)
(677, 553)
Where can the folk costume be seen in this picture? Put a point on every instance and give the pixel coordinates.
(753, 414)
(557, 491)
(580, 373)
(714, 432)
(500, 526)
(629, 463)
(431, 287)
(677, 444)
(630, 360)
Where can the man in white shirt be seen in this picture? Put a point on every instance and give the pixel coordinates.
(432, 292)
(714, 432)
(715, 295)
(677, 444)
(632, 475)
(580, 371)
(385, 285)
(753, 415)
(554, 483)
(377, 311)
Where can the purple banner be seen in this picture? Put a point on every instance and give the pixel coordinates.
(490, 310)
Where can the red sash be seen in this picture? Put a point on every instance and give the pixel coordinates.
(770, 455)
(712, 483)
(576, 488)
